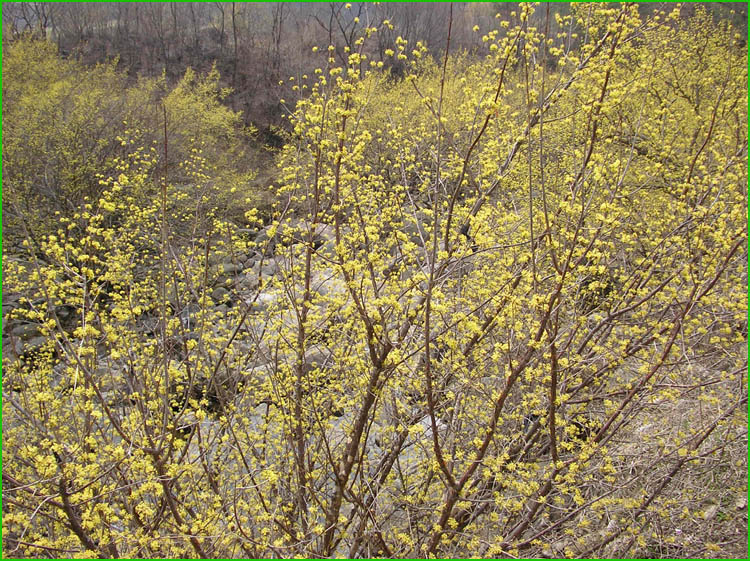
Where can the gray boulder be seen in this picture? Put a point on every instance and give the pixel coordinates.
(265, 244)
(220, 295)
(230, 268)
(25, 331)
(269, 269)
(249, 280)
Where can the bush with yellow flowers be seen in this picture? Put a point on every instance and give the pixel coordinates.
(500, 311)
(65, 126)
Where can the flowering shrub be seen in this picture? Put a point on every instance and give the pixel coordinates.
(500, 311)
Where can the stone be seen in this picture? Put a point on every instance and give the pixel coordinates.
(249, 280)
(264, 242)
(12, 347)
(220, 294)
(246, 234)
(188, 314)
(230, 268)
(68, 315)
(11, 298)
(269, 269)
(325, 232)
(317, 359)
(417, 226)
(326, 283)
(65, 312)
(328, 250)
(25, 331)
(262, 302)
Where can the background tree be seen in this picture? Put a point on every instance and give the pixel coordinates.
(197, 35)
(66, 127)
